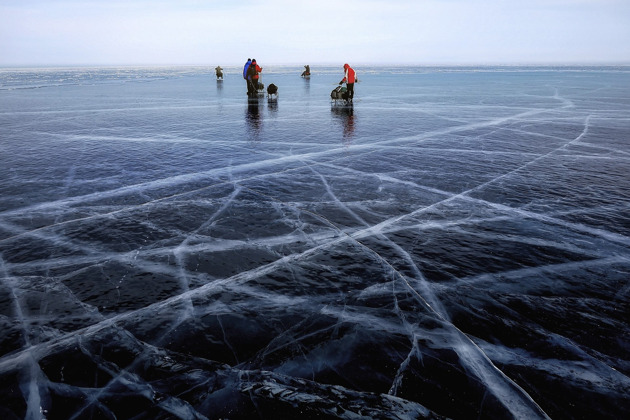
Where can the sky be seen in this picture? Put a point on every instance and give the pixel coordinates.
(227, 32)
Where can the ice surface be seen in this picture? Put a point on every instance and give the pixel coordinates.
(455, 244)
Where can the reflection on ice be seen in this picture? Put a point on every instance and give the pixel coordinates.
(436, 250)
(253, 118)
(345, 115)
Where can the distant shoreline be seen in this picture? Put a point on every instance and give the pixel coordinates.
(314, 65)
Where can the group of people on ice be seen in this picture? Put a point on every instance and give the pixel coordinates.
(251, 74)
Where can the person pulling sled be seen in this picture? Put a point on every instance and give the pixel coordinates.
(253, 75)
(246, 76)
(349, 78)
(345, 93)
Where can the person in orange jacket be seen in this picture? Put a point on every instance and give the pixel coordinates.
(349, 78)
(255, 70)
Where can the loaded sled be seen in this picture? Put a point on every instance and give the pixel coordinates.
(339, 95)
(257, 91)
(272, 90)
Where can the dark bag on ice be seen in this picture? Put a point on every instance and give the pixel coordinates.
(272, 89)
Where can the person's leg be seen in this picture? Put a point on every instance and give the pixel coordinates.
(350, 90)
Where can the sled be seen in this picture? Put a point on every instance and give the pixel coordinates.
(272, 91)
(339, 96)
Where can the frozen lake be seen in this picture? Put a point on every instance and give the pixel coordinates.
(456, 243)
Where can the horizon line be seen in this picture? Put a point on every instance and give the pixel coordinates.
(331, 64)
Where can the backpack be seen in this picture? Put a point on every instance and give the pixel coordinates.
(251, 71)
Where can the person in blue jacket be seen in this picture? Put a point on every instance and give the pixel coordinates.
(245, 68)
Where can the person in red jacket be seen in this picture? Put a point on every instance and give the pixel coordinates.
(349, 78)
(255, 70)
